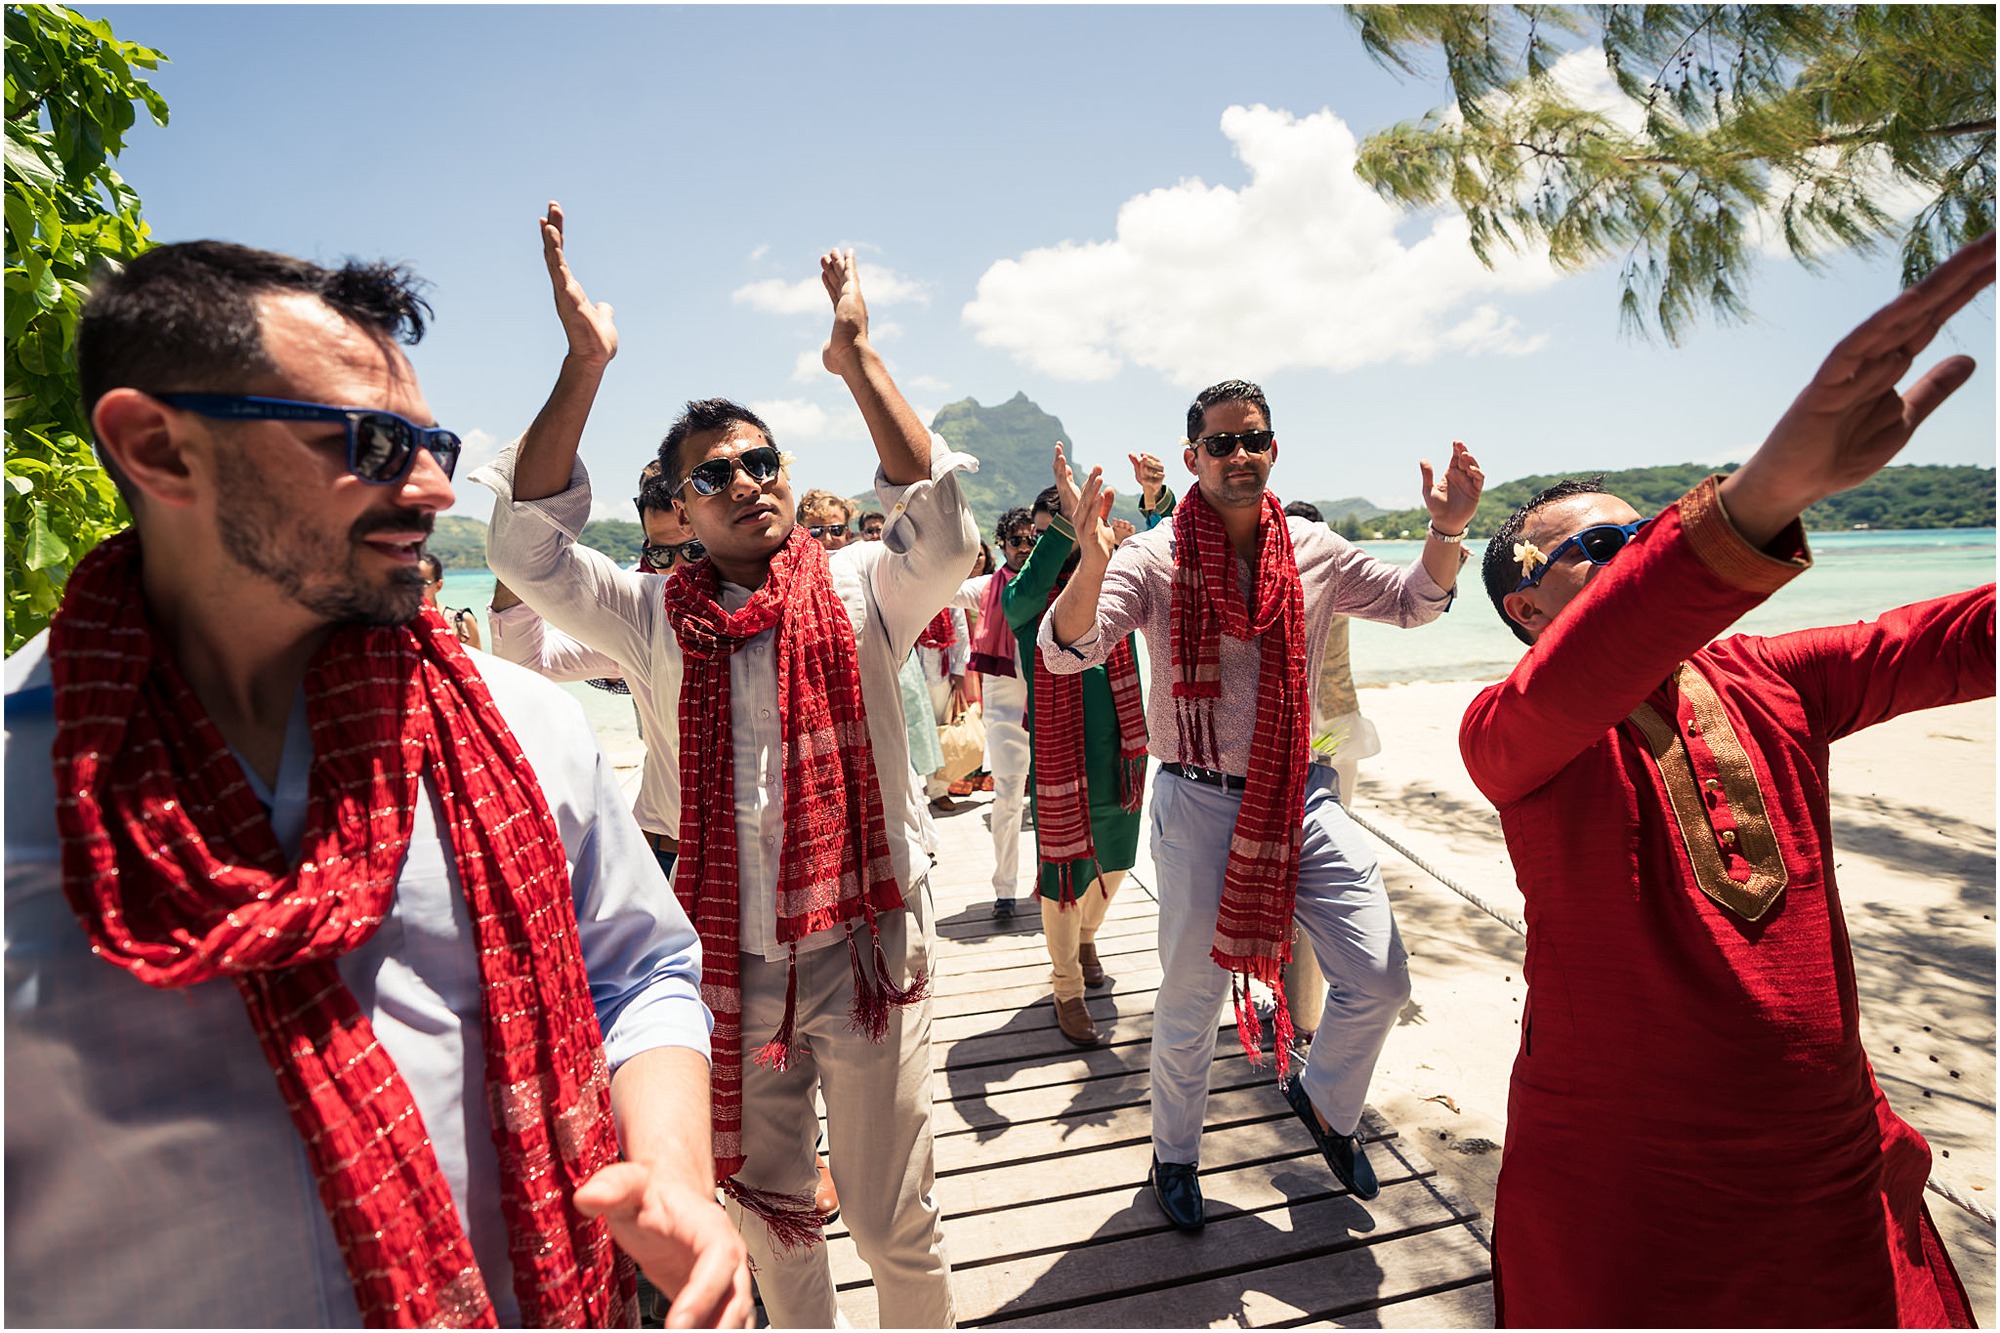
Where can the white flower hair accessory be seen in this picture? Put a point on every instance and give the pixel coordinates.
(1529, 556)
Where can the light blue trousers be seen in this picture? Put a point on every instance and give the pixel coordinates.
(1342, 908)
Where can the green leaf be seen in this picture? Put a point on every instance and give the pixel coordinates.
(43, 547)
(21, 485)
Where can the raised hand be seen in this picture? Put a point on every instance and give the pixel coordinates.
(1452, 498)
(842, 278)
(592, 335)
(681, 1239)
(1066, 493)
(1094, 537)
(1121, 528)
(1850, 421)
(1151, 474)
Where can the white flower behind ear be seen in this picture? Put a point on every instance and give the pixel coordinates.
(1529, 556)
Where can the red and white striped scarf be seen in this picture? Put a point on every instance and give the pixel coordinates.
(1062, 795)
(940, 633)
(175, 873)
(835, 866)
(1253, 928)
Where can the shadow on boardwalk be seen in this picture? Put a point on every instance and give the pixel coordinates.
(1043, 1150)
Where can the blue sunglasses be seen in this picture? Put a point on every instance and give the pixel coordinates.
(381, 446)
(1599, 543)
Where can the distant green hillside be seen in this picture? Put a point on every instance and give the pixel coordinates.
(461, 542)
(1014, 442)
(1913, 495)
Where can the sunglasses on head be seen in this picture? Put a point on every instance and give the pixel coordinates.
(1599, 543)
(1222, 446)
(662, 554)
(381, 446)
(828, 529)
(760, 464)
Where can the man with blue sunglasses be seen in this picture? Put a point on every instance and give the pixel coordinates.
(799, 854)
(339, 981)
(1694, 1135)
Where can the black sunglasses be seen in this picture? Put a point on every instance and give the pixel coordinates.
(662, 554)
(828, 529)
(759, 464)
(381, 446)
(1253, 441)
(1599, 543)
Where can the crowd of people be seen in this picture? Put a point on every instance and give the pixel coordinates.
(518, 1051)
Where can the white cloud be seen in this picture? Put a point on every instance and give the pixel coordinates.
(808, 368)
(926, 384)
(794, 419)
(760, 252)
(477, 448)
(1300, 268)
(807, 296)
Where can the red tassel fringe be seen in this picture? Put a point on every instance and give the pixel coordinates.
(777, 1053)
(791, 1218)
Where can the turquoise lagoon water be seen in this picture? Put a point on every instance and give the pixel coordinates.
(1855, 576)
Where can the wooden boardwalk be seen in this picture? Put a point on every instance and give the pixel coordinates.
(1043, 1149)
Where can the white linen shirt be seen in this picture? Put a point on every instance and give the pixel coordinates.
(153, 1172)
(891, 589)
(522, 637)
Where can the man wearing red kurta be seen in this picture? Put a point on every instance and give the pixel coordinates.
(1694, 1135)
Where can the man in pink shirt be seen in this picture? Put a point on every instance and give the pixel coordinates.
(1243, 821)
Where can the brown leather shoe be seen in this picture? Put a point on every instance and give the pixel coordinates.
(824, 1198)
(944, 805)
(1093, 970)
(1074, 1020)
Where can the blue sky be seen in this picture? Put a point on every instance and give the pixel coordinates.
(1104, 207)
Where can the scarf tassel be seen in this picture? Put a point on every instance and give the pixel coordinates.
(1132, 782)
(875, 995)
(790, 1218)
(1250, 1027)
(777, 1053)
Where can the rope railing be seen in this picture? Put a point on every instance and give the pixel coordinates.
(1938, 1184)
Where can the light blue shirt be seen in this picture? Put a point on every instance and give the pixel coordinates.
(153, 1175)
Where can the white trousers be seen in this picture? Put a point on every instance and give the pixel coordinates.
(1007, 757)
(878, 1134)
(1343, 909)
(1305, 985)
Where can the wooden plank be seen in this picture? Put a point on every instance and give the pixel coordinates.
(1270, 1294)
(1125, 981)
(1469, 1306)
(1120, 1209)
(1072, 1098)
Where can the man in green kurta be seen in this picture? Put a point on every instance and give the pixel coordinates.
(1076, 889)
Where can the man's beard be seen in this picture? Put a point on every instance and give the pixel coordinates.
(317, 573)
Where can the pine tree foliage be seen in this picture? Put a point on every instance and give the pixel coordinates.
(71, 91)
(1833, 123)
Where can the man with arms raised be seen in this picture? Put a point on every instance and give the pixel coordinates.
(301, 835)
(1235, 601)
(798, 819)
(1694, 1137)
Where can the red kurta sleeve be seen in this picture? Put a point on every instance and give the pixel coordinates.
(1924, 655)
(1682, 580)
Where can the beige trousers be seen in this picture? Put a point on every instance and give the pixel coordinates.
(878, 1133)
(1068, 931)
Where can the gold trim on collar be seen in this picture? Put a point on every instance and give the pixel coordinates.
(1752, 838)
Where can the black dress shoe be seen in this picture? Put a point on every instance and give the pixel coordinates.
(1179, 1193)
(1343, 1152)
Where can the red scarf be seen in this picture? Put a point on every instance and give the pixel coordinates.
(993, 645)
(940, 633)
(835, 865)
(1062, 796)
(175, 874)
(1253, 927)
